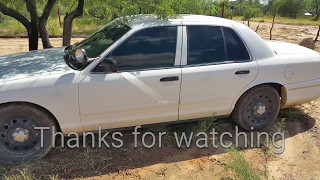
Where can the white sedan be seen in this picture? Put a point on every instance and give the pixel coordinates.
(142, 70)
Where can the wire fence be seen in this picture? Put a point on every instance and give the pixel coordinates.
(284, 32)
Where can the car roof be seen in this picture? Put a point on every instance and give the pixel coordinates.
(257, 46)
(153, 20)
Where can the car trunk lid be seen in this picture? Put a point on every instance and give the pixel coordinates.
(289, 48)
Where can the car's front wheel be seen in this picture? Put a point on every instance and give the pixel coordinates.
(19, 140)
(257, 108)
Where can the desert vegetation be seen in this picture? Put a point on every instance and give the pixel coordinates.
(33, 18)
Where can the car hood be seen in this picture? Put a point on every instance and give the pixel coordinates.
(32, 64)
(289, 48)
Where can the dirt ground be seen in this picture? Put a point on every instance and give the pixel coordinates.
(300, 160)
(11, 45)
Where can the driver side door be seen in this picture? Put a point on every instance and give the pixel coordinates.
(145, 89)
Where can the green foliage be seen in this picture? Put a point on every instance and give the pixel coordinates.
(252, 12)
(292, 8)
(1, 17)
(256, 3)
(241, 167)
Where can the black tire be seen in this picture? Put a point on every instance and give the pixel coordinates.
(257, 108)
(19, 141)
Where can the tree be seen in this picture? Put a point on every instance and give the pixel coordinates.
(275, 4)
(257, 3)
(35, 24)
(250, 13)
(314, 6)
(240, 7)
(291, 8)
(1, 17)
(68, 21)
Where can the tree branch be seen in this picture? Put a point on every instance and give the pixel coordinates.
(78, 11)
(47, 10)
(43, 23)
(33, 32)
(68, 20)
(32, 9)
(12, 13)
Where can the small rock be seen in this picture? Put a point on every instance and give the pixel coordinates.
(309, 43)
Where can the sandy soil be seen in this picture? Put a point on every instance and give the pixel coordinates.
(11, 46)
(300, 159)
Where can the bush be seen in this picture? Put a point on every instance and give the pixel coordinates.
(252, 12)
(1, 17)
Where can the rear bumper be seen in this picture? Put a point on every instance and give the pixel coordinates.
(302, 92)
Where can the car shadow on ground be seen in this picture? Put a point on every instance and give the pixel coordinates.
(92, 162)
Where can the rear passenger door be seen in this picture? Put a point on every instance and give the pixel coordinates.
(216, 66)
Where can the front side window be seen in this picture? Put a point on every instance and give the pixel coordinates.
(147, 48)
(97, 43)
(214, 44)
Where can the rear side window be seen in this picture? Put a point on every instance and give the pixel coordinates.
(214, 44)
(205, 45)
(236, 51)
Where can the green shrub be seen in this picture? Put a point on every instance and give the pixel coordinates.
(252, 12)
(1, 17)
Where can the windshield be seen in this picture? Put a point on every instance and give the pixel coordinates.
(97, 43)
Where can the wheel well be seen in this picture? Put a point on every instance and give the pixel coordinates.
(276, 87)
(282, 92)
(37, 107)
(280, 89)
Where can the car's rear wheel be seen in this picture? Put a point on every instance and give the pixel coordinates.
(257, 108)
(19, 140)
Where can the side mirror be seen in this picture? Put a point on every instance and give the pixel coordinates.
(109, 65)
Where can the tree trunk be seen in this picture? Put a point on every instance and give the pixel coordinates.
(33, 32)
(68, 20)
(258, 27)
(317, 16)
(44, 34)
(33, 39)
(318, 33)
(295, 14)
(43, 23)
(240, 9)
(273, 20)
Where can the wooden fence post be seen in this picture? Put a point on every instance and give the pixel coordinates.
(59, 14)
(222, 12)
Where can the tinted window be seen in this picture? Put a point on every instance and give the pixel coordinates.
(236, 51)
(205, 45)
(104, 38)
(148, 48)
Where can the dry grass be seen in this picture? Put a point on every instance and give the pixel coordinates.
(283, 20)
